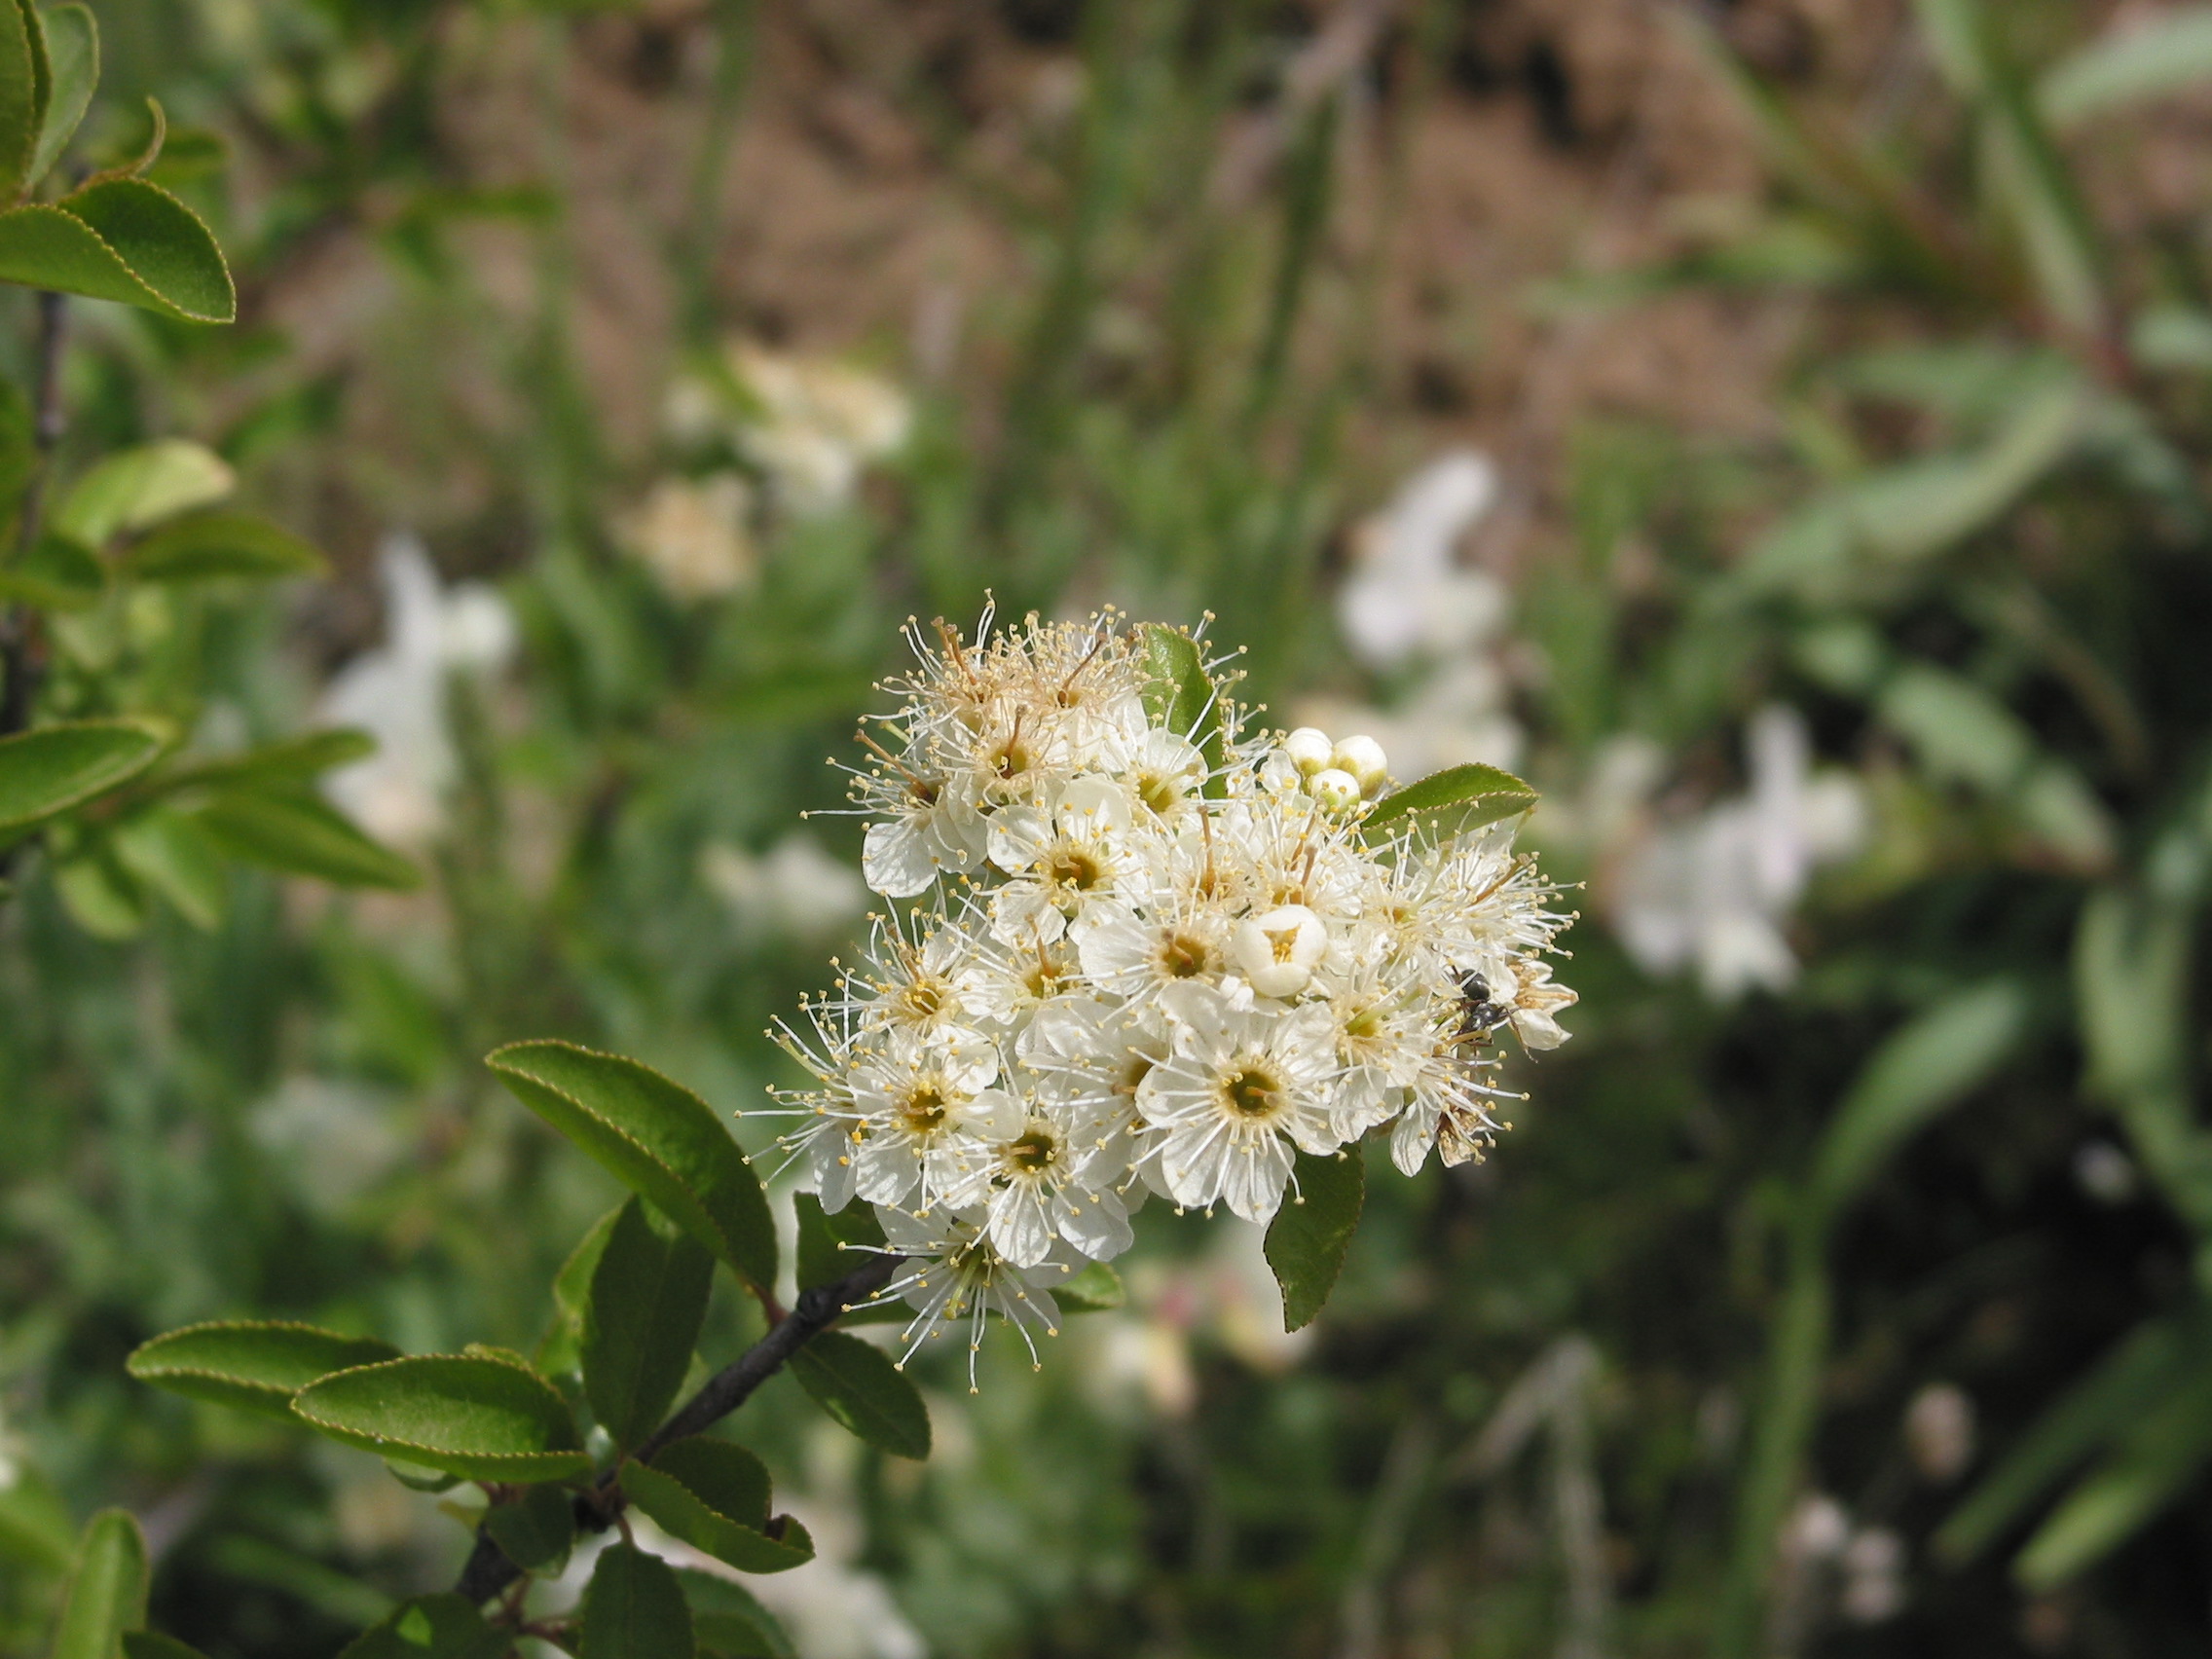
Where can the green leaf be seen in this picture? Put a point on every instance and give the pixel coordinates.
(431, 1627)
(648, 1298)
(302, 834)
(561, 1350)
(2160, 1454)
(135, 488)
(714, 1496)
(480, 1418)
(35, 1528)
(2137, 1372)
(825, 1240)
(2144, 58)
(73, 63)
(538, 1531)
(56, 768)
(254, 1365)
(1179, 695)
(635, 1609)
(1309, 1236)
(207, 546)
(1454, 802)
(2171, 337)
(188, 155)
(656, 1137)
(1931, 1064)
(152, 1644)
(100, 894)
(1096, 1289)
(860, 1387)
(287, 762)
(57, 574)
(22, 97)
(107, 1592)
(731, 1623)
(123, 239)
(168, 852)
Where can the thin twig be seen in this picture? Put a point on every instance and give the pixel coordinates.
(489, 1571)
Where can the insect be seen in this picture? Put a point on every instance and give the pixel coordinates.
(1479, 1016)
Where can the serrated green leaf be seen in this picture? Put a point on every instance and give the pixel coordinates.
(1932, 1063)
(208, 546)
(561, 1350)
(862, 1389)
(1096, 1289)
(537, 1530)
(715, 1497)
(477, 1418)
(731, 1624)
(431, 1627)
(20, 101)
(656, 1137)
(648, 1298)
(135, 488)
(123, 239)
(168, 853)
(152, 1644)
(635, 1609)
(826, 1241)
(58, 572)
(1179, 695)
(302, 834)
(1454, 802)
(2143, 58)
(53, 768)
(1310, 1235)
(107, 1591)
(73, 64)
(254, 1365)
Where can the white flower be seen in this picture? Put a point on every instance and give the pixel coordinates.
(815, 425)
(1713, 892)
(694, 536)
(1278, 951)
(1407, 595)
(795, 888)
(398, 693)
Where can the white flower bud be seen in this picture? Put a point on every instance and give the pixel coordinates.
(1309, 748)
(1334, 790)
(1364, 759)
(1277, 953)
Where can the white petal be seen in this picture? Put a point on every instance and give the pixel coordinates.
(895, 859)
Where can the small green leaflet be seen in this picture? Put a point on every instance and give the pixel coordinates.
(1310, 1235)
(731, 1623)
(1451, 803)
(648, 1298)
(714, 1496)
(124, 239)
(469, 1414)
(654, 1136)
(73, 65)
(287, 829)
(429, 1627)
(209, 546)
(107, 1592)
(254, 1365)
(635, 1609)
(537, 1530)
(856, 1385)
(56, 768)
(827, 1242)
(1179, 694)
(135, 488)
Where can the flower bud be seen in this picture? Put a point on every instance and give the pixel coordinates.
(1364, 759)
(1277, 953)
(1309, 749)
(1334, 790)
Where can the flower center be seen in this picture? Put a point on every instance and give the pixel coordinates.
(1159, 793)
(1182, 956)
(923, 1108)
(1254, 1089)
(1035, 1149)
(1010, 758)
(924, 999)
(1042, 978)
(924, 792)
(1076, 868)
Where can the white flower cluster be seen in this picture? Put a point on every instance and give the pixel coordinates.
(1151, 954)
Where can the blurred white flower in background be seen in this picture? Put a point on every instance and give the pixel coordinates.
(1408, 601)
(335, 1139)
(695, 536)
(813, 426)
(833, 1609)
(1939, 1432)
(795, 890)
(398, 693)
(1713, 892)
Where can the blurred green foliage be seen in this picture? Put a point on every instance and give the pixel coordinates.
(1573, 1400)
